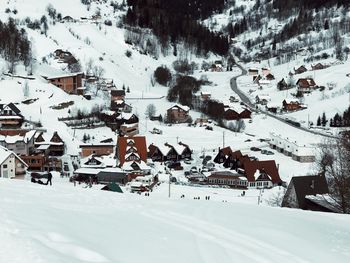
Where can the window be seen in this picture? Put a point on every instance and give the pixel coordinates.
(4, 166)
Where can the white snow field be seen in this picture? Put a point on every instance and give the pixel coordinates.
(66, 224)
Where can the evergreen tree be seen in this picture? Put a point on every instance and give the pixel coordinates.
(318, 121)
(324, 119)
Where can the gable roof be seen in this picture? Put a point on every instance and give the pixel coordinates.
(179, 106)
(11, 106)
(308, 185)
(5, 153)
(139, 144)
(306, 82)
(269, 167)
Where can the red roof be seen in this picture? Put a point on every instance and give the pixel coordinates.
(227, 150)
(139, 144)
(306, 83)
(269, 167)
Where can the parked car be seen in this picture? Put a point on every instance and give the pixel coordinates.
(255, 149)
(267, 152)
(175, 165)
(156, 131)
(187, 161)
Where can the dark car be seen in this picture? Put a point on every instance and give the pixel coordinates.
(39, 175)
(175, 166)
(255, 149)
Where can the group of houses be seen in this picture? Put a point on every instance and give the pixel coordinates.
(120, 117)
(261, 77)
(241, 171)
(119, 162)
(299, 152)
(168, 152)
(287, 105)
(36, 149)
(302, 69)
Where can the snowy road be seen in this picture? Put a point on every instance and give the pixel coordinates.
(245, 99)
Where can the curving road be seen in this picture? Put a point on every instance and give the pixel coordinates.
(245, 99)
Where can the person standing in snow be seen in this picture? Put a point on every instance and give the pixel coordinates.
(49, 179)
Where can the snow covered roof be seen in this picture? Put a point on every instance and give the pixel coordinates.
(179, 148)
(65, 75)
(185, 108)
(127, 166)
(5, 154)
(16, 138)
(288, 101)
(125, 116)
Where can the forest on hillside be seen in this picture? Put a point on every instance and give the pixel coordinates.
(178, 21)
(14, 45)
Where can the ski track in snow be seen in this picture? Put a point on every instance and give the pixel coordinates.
(235, 243)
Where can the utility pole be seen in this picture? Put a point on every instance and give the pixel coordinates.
(169, 182)
(177, 139)
(223, 139)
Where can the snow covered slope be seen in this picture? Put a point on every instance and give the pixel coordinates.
(66, 224)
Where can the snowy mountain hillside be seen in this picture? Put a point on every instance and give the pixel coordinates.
(63, 223)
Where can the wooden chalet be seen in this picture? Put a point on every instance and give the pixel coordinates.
(291, 105)
(53, 147)
(306, 85)
(126, 146)
(231, 114)
(282, 85)
(178, 114)
(261, 174)
(126, 118)
(132, 156)
(97, 149)
(245, 114)
(167, 152)
(300, 70)
(222, 154)
(302, 193)
(318, 66)
(69, 83)
(10, 116)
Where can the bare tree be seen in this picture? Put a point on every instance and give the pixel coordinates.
(98, 71)
(334, 163)
(150, 110)
(26, 89)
